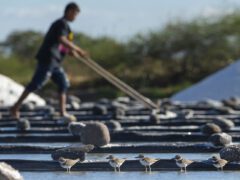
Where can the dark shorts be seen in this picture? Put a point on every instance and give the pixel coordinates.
(44, 72)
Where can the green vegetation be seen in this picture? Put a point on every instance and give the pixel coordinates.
(158, 63)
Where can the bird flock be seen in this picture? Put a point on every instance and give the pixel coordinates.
(147, 162)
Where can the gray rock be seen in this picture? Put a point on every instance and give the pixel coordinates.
(210, 103)
(113, 125)
(29, 106)
(23, 124)
(220, 139)
(225, 124)
(104, 101)
(7, 172)
(72, 98)
(99, 110)
(74, 102)
(95, 133)
(49, 110)
(231, 153)
(224, 110)
(123, 100)
(210, 128)
(73, 152)
(75, 128)
(154, 119)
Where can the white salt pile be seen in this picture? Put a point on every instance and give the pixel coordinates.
(220, 85)
(11, 90)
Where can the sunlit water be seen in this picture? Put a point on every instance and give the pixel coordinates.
(162, 175)
(102, 157)
(132, 176)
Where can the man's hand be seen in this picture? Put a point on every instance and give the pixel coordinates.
(74, 48)
(82, 53)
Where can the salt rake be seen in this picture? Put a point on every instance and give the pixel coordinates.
(118, 83)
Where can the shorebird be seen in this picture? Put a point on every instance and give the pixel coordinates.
(115, 162)
(67, 163)
(218, 162)
(146, 161)
(182, 163)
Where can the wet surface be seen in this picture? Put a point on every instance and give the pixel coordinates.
(133, 175)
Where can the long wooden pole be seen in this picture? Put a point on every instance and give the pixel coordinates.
(118, 83)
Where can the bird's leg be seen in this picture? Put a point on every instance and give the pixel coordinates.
(145, 168)
(149, 168)
(185, 169)
(115, 169)
(69, 170)
(181, 170)
(119, 169)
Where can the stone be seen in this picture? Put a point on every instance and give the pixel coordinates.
(113, 125)
(158, 114)
(224, 110)
(220, 139)
(154, 119)
(7, 172)
(119, 110)
(210, 128)
(74, 102)
(23, 124)
(75, 128)
(104, 101)
(73, 152)
(123, 100)
(49, 110)
(231, 153)
(210, 103)
(29, 106)
(99, 110)
(72, 98)
(95, 133)
(225, 124)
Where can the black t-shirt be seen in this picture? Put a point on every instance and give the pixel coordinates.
(51, 47)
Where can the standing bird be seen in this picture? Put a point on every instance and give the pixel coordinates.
(115, 162)
(218, 162)
(67, 163)
(146, 161)
(182, 163)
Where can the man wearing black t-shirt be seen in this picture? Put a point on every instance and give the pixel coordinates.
(57, 43)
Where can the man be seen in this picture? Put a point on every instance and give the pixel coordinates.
(57, 43)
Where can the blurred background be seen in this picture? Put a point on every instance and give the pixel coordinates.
(157, 47)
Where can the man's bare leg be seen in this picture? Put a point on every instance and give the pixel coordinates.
(14, 111)
(62, 104)
(63, 111)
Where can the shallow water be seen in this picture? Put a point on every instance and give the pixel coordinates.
(132, 175)
(163, 175)
(102, 157)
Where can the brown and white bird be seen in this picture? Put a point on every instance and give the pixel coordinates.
(146, 161)
(116, 163)
(218, 162)
(182, 163)
(67, 163)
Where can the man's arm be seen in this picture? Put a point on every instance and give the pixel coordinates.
(74, 49)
